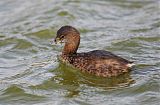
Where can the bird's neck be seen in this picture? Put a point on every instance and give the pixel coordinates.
(71, 45)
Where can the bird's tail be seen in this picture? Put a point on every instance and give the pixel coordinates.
(130, 65)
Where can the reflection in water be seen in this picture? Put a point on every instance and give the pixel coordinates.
(73, 80)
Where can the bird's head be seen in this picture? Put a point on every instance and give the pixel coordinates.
(66, 33)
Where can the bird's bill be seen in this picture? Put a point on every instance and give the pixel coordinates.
(58, 40)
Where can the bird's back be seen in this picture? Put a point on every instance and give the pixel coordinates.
(100, 63)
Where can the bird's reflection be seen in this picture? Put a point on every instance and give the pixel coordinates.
(74, 81)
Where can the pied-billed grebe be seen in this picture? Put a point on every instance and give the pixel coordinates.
(97, 62)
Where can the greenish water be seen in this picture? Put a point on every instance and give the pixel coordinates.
(30, 73)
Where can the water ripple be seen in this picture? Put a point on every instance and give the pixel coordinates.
(31, 74)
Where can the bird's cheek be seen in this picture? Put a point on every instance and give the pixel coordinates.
(61, 41)
(65, 41)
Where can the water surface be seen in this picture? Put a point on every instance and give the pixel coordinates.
(31, 74)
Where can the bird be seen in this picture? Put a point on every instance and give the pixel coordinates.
(100, 63)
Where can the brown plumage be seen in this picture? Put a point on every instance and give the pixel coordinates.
(97, 62)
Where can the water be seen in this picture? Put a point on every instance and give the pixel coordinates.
(30, 73)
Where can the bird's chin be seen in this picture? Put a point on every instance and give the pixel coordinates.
(62, 41)
(57, 41)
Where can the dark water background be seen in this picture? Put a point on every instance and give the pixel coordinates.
(30, 73)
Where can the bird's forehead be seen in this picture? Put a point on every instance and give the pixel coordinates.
(62, 31)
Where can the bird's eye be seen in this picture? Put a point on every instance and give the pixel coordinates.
(62, 36)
